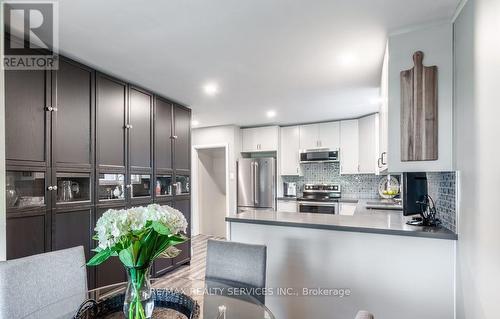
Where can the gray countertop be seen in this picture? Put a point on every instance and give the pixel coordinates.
(364, 220)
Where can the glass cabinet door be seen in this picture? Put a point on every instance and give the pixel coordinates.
(140, 185)
(73, 187)
(163, 185)
(111, 186)
(182, 185)
(25, 189)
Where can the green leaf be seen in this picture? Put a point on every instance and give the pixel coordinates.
(100, 257)
(126, 258)
(160, 228)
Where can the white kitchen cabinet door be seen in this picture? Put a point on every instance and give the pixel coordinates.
(383, 121)
(289, 150)
(349, 147)
(329, 135)
(289, 206)
(309, 136)
(368, 136)
(347, 208)
(260, 139)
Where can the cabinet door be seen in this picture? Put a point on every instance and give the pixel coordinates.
(267, 138)
(163, 134)
(26, 117)
(349, 149)
(163, 265)
(140, 133)
(309, 136)
(73, 119)
(182, 140)
(249, 140)
(329, 135)
(26, 235)
(184, 205)
(287, 206)
(367, 144)
(111, 271)
(290, 146)
(71, 228)
(111, 114)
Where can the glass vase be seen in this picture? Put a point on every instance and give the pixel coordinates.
(139, 299)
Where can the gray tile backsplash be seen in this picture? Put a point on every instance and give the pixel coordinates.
(441, 187)
(352, 186)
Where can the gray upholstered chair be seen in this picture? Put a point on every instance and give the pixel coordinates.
(236, 265)
(28, 286)
(364, 315)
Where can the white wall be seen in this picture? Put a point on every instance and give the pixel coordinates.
(477, 132)
(219, 135)
(212, 191)
(2, 150)
(436, 41)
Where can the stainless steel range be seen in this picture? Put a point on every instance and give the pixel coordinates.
(319, 199)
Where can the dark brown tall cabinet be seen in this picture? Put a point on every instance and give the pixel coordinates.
(79, 142)
(172, 186)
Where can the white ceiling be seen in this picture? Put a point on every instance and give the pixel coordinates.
(263, 54)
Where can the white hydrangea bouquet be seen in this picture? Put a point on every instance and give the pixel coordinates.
(138, 236)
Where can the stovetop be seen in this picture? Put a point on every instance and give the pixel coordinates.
(321, 193)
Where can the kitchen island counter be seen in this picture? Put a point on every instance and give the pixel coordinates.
(389, 222)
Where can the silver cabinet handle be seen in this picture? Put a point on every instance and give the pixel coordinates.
(50, 188)
(129, 186)
(51, 109)
(54, 187)
(382, 158)
(174, 137)
(129, 126)
(378, 162)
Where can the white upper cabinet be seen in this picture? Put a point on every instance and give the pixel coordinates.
(309, 136)
(329, 135)
(289, 150)
(321, 135)
(383, 123)
(368, 135)
(349, 147)
(260, 139)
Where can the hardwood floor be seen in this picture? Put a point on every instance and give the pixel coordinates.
(189, 279)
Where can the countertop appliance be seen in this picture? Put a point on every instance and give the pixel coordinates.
(290, 189)
(319, 199)
(322, 155)
(257, 183)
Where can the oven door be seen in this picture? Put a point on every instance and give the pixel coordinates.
(318, 207)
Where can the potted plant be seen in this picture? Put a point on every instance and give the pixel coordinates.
(138, 236)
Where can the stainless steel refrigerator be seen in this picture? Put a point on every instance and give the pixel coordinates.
(257, 183)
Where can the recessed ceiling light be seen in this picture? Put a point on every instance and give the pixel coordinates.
(346, 59)
(195, 122)
(271, 113)
(211, 88)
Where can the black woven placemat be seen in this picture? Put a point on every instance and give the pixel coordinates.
(164, 298)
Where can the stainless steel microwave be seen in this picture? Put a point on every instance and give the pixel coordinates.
(319, 156)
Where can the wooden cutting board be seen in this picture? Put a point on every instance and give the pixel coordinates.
(419, 111)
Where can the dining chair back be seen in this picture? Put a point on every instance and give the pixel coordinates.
(30, 284)
(237, 265)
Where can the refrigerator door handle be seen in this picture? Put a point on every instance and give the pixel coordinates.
(256, 183)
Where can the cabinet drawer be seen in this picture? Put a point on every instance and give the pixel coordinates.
(287, 206)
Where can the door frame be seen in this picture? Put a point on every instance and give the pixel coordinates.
(195, 222)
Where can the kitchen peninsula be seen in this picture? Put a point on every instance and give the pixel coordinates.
(373, 253)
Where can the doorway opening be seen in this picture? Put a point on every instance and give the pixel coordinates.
(211, 191)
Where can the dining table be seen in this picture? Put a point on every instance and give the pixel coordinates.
(175, 298)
